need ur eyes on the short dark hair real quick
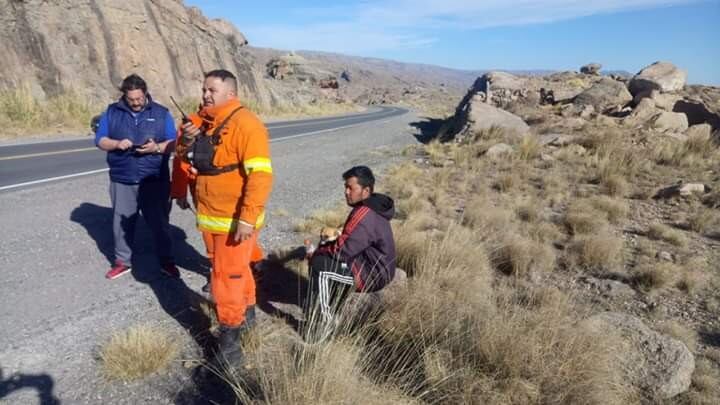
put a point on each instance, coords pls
(133, 82)
(224, 75)
(363, 174)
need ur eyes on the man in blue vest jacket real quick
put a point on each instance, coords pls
(136, 133)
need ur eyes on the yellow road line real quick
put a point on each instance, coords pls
(57, 152)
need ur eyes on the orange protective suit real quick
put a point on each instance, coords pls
(225, 199)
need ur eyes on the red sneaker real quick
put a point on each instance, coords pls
(170, 270)
(117, 270)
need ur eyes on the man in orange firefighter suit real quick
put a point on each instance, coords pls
(228, 149)
(183, 178)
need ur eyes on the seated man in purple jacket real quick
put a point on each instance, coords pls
(362, 257)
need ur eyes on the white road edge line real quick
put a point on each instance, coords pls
(69, 176)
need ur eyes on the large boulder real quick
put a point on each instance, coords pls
(482, 116)
(670, 122)
(501, 88)
(697, 113)
(361, 305)
(665, 101)
(604, 95)
(643, 112)
(659, 365)
(662, 76)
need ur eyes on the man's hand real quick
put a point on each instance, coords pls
(182, 202)
(125, 144)
(189, 132)
(149, 147)
(243, 232)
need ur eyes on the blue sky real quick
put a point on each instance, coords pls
(492, 34)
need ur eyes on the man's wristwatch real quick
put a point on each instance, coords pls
(157, 148)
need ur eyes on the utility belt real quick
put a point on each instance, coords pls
(202, 152)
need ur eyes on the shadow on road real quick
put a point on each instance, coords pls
(42, 383)
(174, 296)
(429, 129)
(278, 284)
(97, 221)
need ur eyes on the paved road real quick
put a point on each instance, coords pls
(29, 164)
(57, 309)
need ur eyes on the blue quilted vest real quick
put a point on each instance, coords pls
(126, 166)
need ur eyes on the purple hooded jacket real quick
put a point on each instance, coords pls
(366, 243)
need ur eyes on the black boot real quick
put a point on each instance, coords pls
(249, 317)
(228, 354)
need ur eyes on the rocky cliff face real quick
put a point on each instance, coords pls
(88, 46)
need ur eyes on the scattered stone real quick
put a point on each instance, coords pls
(667, 256)
(683, 190)
(658, 364)
(690, 188)
(669, 122)
(591, 69)
(662, 76)
(558, 140)
(499, 149)
(564, 140)
(609, 288)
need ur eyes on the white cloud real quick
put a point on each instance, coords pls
(378, 25)
(491, 13)
(350, 38)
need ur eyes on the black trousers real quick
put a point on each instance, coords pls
(330, 282)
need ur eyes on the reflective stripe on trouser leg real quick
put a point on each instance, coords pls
(232, 284)
(327, 291)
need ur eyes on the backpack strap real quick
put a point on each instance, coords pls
(216, 133)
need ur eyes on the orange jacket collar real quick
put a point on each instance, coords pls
(221, 111)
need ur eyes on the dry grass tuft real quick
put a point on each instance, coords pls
(655, 276)
(582, 217)
(616, 210)
(520, 256)
(667, 234)
(137, 352)
(20, 112)
(332, 218)
(528, 211)
(615, 185)
(682, 333)
(696, 151)
(529, 148)
(694, 275)
(481, 214)
(703, 220)
(599, 250)
(507, 182)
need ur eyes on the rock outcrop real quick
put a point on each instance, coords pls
(591, 69)
(604, 95)
(474, 114)
(662, 76)
(89, 47)
(658, 364)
